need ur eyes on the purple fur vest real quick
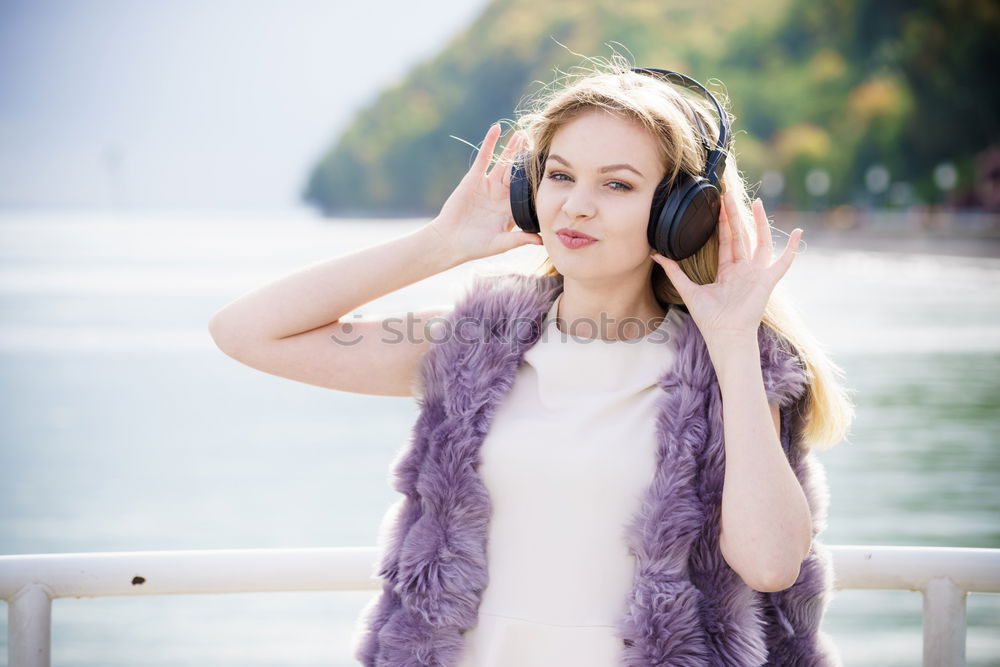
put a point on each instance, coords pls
(687, 607)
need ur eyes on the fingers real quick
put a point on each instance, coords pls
(725, 235)
(765, 244)
(678, 278)
(738, 238)
(788, 254)
(501, 169)
(525, 238)
(510, 240)
(485, 155)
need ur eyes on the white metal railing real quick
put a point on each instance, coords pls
(29, 583)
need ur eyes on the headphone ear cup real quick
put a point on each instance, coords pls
(683, 219)
(522, 199)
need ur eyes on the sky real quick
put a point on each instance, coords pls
(193, 104)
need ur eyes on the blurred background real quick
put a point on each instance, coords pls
(159, 159)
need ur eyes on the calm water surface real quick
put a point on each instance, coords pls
(123, 427)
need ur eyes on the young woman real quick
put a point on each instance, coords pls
(613, 460)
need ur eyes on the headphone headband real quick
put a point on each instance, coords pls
(716, 161)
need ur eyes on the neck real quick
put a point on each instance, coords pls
(618, 310)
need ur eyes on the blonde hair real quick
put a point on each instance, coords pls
(668, 114)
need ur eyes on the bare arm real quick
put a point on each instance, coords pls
(320, 293)
(766, 527)
(291, 327)
(766, 524)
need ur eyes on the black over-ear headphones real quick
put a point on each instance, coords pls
(682, 217)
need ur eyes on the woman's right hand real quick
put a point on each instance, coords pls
(476, 220)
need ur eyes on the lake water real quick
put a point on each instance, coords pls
(124, 428)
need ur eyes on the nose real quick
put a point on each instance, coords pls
(579, 203)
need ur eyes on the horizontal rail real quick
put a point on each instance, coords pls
(191, 572)
(29, 583)
(911, 568)
(352, 569)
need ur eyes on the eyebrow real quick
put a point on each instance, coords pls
(602, 170)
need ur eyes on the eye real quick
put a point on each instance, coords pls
(617, 186)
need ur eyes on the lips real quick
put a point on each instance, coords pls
(572, 233)
(573, 239)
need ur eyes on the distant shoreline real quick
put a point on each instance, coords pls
(917, 243)
(963, 234)
(935, 233)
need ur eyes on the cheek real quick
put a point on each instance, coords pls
(638, 246)
(546, 207)
(638, 224)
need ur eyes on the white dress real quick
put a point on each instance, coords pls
(568, 456)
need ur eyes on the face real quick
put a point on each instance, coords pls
(598, 180)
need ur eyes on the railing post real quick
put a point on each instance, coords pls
(944, 624)
(29, 627)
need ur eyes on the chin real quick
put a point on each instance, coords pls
(579, 269)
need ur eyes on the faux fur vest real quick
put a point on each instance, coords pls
(687, 607)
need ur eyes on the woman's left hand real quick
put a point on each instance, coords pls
(734, 304)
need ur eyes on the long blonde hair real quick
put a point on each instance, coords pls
(668, 114)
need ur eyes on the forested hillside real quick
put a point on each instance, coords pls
(835, 86)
